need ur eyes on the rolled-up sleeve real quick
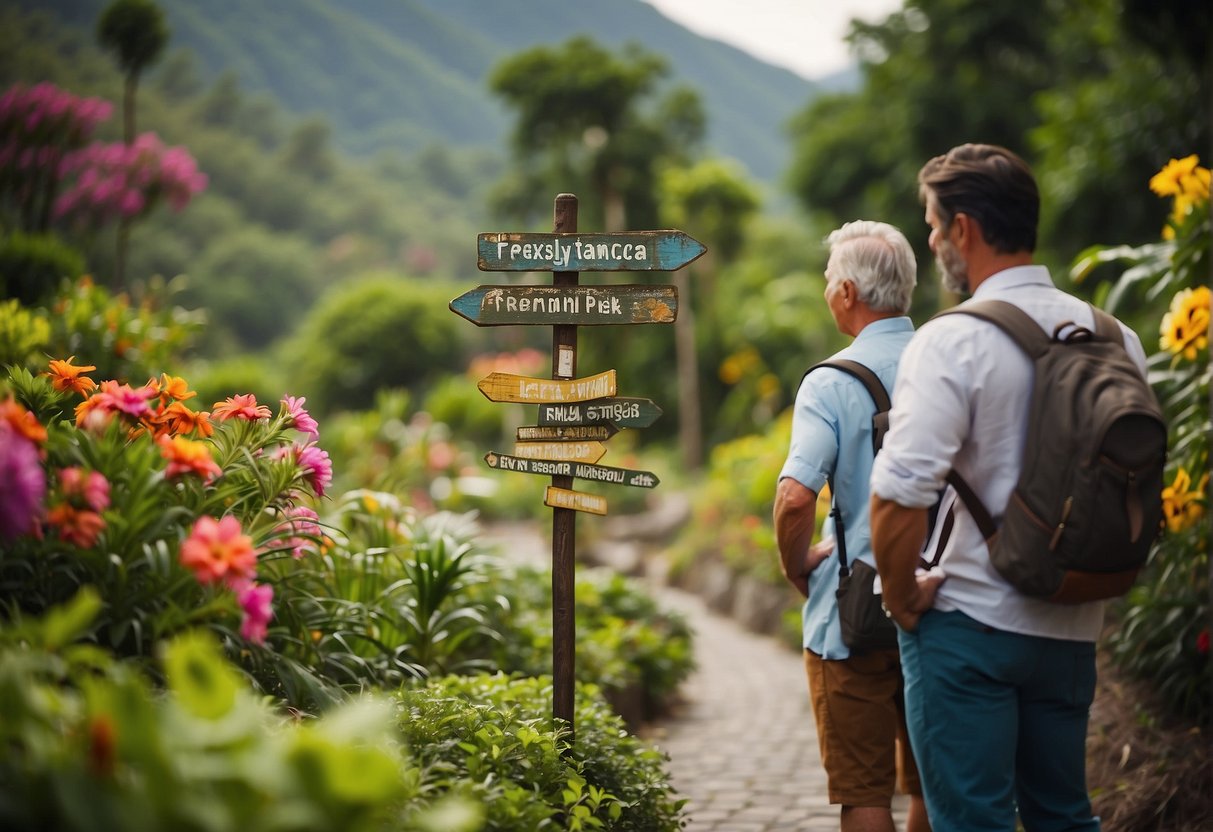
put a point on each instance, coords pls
(813, 450)
(929, 420)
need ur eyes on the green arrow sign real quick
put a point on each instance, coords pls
(581, 470)
(577, 305)
(622, 412)
(624, 251)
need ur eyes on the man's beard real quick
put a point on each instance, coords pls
(953, 270)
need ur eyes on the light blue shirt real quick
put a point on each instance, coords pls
(962, 402)
(832, 438)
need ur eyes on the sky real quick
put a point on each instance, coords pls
(805, 36)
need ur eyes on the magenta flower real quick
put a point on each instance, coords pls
(301, 420)
(255, 600)
(22, 483)
(316, 465)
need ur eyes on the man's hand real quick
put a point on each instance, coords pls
(898, 533)
(923, 598)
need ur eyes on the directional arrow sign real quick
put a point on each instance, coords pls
(571, 451)
(577, 305)
(581, 470)
(662, 251)
(576, 500)
(572, 433)
(507, 387)
(622, 412)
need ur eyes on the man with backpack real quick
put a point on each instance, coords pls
(856, 691)
(999, 658)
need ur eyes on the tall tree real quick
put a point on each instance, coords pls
(714, 200)
(136, 32)
(591, 122)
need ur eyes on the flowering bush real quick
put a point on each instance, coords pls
(1164, 632)
(121, 181)
(39, 127)
(175, 515)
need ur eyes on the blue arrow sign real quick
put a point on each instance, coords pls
(622, 251)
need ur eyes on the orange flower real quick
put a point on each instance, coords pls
(217, 550)
(243, 406)
(177, 419)
(174, 388)
(79, 527)
(186, 456)
(23, 422)
(66, 376)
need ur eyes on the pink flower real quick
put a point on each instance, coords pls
(300, 520)
(301, 420)
(243, 406)
(22, 483)
(93, 488)
(217, 550)
(255, 599)
(316, 465)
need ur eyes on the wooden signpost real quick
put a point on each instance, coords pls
(576, 415)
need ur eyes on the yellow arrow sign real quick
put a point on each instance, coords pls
(507, 387)
(570, 451)
(576, 500)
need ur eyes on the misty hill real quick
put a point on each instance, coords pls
(409, 73)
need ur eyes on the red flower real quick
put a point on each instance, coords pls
(1202, 642)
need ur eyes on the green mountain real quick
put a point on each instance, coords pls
(405, 74)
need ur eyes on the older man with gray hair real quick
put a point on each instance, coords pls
(856, 693)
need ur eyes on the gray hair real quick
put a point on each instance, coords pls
(877, 258)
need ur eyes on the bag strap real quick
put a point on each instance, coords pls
(872, 383)
(880, 426)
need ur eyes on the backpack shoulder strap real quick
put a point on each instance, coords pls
(880, 396)
(880, 426)
(1106, 327)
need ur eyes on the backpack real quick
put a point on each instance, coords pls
(1088, 502)
(865, 625)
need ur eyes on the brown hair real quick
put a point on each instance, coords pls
(990, 184)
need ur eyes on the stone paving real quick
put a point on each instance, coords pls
(742, 744)
(743, 747)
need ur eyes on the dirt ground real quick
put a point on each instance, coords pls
(1146, 774)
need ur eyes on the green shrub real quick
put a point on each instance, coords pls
(495, 735)
(91, 745)
(379, 332)
(32, 266)
(625, 642)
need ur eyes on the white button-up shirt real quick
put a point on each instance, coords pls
(961, 401)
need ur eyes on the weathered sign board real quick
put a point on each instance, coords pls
(576, 500)
(507, 387)
(578, 305)
(572, 451)
(572, 433)
(631, 251)
(618, 411)
(580, 470)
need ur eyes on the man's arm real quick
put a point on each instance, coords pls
(795, 523)
(898, 534)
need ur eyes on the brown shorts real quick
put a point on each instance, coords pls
(861, 727)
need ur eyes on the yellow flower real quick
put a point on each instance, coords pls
(1185, 327)
(1180, 505)
(1181, 177)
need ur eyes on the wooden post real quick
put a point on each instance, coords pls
(564, 520)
